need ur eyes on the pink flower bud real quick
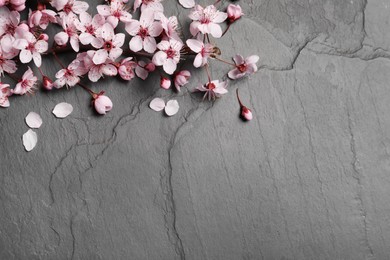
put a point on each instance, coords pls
(181, 79)
(246, 113)
(234, 12)
(102, 103)
(165, 83)
(2, 2)
(150, 67)
(44, 37)
(47, 83)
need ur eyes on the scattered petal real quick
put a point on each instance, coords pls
(33, 120)
(30, 139)
(157, 104)
(62, 110)
(187, 3)
(172, 107)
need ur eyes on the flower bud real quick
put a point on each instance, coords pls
(246, 113)
(47, 83)
(181, 78)
(44, 37)
(150, 67)
(165, 83)
(234, 12)
(102, 103)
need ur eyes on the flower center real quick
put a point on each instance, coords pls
(210, 86)
(30, 47)
(89, 29)
(68, 8)
(171, 53)
(70, 31)
(108, 45)
(10, 29)
(242, 67)
(143, 32)
(117, 14)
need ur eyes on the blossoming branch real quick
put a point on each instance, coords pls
(156, 45)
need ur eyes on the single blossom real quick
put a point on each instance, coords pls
(102, 103)
(26, 84)
(126, 68)
(154, 5)
(243, 67)
(110, 43)
(165, 83)
(170, 26)
(213, 89)
(5, 92)
(41, 18)
(69, 7)
(30, 48)
(97, 71)
(89, 26)
(181, 79)
(69, 76)
(114, 12)
(69, 33)
(144, 31)
(9, 21)
(142, 69)
(6, 63)
(168, 55)
(234, 12)
(207, 20)
(204, 51)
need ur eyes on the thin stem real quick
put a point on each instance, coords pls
(40, 70)
(227, 28)
(208, 72)
(93, 94)
(57, 59)
(217, 2)
(238, 98)
(225, 61)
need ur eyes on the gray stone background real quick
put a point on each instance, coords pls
(308, 178)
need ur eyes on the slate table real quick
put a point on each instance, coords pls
(307, 178)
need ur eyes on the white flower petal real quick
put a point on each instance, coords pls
(30, 139)
(187, 3)
(33, 120)
(172, 107)
(62, 110)
(157, 104)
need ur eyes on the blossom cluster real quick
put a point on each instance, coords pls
(152, 43)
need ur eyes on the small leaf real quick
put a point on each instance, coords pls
(172, 107)
(33, 120)
(157, 104)
(187, 3)
(30, 139)
(62, 110)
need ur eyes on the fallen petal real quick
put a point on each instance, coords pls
(62, 110)
(30, 139)
(187, 3)
(33, 120)
(157, 104)
(172, 107)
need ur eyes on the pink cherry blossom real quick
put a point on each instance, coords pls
(17, 5)
(26, 84)
(95, 72)
(126, 68)
(234, 12)
(170, 26)
(89, 26)
(47, 83)
(149, 4)
(181, 79)
(6, 63)
(203, 51)
(165, 83)
(168, 56)
(245, 112)
(206, 20)
(102, 103)
(142, 69)
(30, 48)
(110, 43)
(69, 7)
(114, 12)
(69, 76)
(144, 32)
(69, 33)
(243, 66)
(5, 92)
(213, 89)
(9, 21)
(42, 18)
